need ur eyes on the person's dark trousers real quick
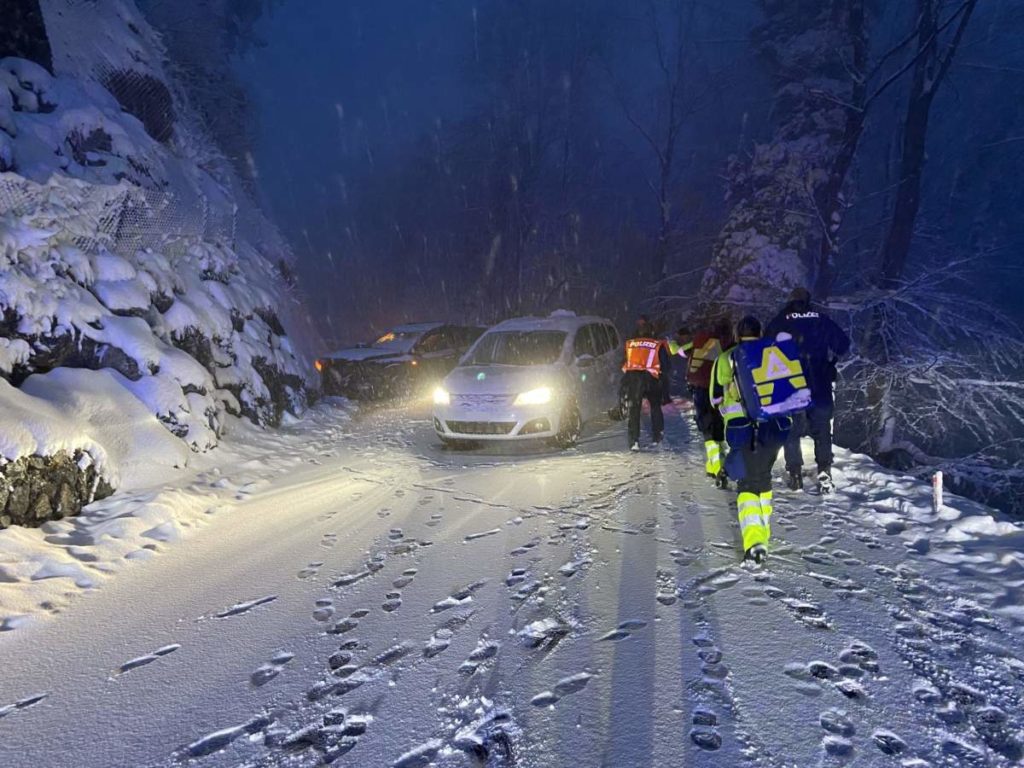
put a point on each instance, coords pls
(639, 386)
(816, 423)
(708, 419)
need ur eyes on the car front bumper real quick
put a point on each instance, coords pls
(528, 422)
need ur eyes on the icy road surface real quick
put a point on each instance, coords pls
(363, 598)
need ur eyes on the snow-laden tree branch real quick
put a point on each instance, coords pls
(935, 381)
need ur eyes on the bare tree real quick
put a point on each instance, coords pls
(661, 132)
(937, 41)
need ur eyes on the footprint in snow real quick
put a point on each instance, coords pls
(28, 701)
(336, 733)
(624, 630)
(544, 634)
(267, 672)
(837, 723)
(806, 612)
(405, 579)
(310, 570)
(525, 548)
(219, 740)
(392, 602)
(527, 589)
(482, 534)
(571, 568)
(240, 608)
(458, 598)
(324, 609)
(564, 687)
(435, 520)
(339, 659)
(666, 594)
(705, 730)
(348, 677)
(438, 642)
(442, 636)
(149, 658)
(837, 746)
(347, 625)
(485, 651)
(889, 743)
(395, 534)
(329, 540)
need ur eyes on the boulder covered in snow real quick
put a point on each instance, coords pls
(69, 436)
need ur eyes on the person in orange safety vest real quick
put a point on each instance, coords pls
(647, 360)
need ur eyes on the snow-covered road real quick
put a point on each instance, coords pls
(363, 597)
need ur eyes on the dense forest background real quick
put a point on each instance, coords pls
(445, 159)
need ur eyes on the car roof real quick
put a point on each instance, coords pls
(555, 322)
(415, 327)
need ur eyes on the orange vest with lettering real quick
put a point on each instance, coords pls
(642, 355)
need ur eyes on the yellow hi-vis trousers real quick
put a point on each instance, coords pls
(755, 514)
(713, 456)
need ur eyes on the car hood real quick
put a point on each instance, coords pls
(359, 354)
(502, 379)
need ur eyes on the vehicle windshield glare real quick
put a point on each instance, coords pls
(397, 339)
(517, 348)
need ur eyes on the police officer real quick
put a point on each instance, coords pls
(822, 342)
(753, 448)
(647, 358)
(706, 345)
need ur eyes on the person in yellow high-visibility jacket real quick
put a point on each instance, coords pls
(753, 449)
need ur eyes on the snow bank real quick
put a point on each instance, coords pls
(155, 507)
(90, 411)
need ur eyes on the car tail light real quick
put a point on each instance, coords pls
(319, 365)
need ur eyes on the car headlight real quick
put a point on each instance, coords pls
(441, 396)
(538, 396)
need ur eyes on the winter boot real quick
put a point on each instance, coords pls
(795, 481)
(722, 480)
(756, 554)
(825, 484)
(635, 448)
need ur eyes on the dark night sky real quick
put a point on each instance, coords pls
(346, 91)
(341, 90)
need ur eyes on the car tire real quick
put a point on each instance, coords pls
(569, 429)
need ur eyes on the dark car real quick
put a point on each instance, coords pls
(406, 361)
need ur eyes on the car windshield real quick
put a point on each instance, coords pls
(517, 348)
(399, 340)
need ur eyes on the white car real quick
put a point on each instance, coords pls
(531, 378)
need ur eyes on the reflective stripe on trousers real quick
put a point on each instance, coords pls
(713, 460)
(755, 516)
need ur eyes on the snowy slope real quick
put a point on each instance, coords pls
(362, 597)
(128, 243)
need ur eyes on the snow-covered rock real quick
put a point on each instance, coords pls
(123, 247)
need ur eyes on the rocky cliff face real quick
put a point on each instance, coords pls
(126, 243)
